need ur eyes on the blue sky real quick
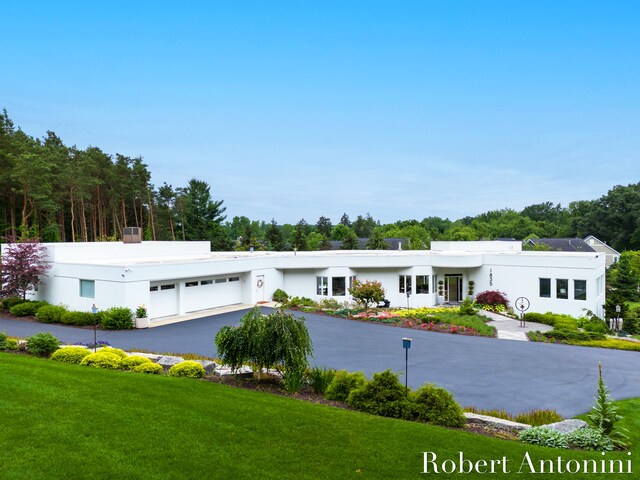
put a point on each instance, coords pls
(301, 109)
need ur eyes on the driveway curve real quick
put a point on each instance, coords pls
(483, 372)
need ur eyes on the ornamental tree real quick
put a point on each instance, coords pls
(23, 266)
(367, 293)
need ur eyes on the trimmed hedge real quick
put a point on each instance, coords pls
(78, 318)
(70, 355)
(151, 368)
(343, 383)
(117, 318)
(3, 341)
(115, 351)
(27, 308)
(109, 361)
(7, 303)
(383, 396)
(129, 363)
(42, 344)
(436, 405)
(188, 368)
(50, 313)
(573, 336)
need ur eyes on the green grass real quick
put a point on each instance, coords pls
(73, 422)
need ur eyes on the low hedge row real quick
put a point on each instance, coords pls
(555, 320)
(116, 318)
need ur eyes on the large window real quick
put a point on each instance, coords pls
(88, 288)
(545, 287)
(322, 284)
(562, 288)
(580, 289)
(338, 286)
(405, 284)
(422, 283)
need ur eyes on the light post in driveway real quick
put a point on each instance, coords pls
(94, 310)
(406, 344)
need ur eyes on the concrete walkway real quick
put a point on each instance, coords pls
(510, 329)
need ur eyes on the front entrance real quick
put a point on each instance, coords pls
(453, 288)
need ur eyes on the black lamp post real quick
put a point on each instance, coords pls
(406, 344)
(94, 310)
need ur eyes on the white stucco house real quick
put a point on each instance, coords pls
(176, 278)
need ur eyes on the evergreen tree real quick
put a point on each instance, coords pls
(344, 220)
(273, 237)
(323, 226)
(376, 241)
(300, 235)
(350, 241)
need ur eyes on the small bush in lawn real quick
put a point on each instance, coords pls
(117, 318)
(590, 439)
(294, 379)
(384, 396)
(467, 307)
(10, 344)
(115, 351)
(436, 405)
(70, 355)
(129, 363)
(51, 314)
(3, 341)
(535, 418)
(320, 379)
(42, 344)
(188, 369)
(151, 368)
(492, 297)
(280, 296)
(7, 303)
(343, 383)
(298, 302)
(545, 437)
(26, 308)
(109, 361)
(78, 318)
(329, 304)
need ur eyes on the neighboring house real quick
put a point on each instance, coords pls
(613, 256)
(394, 243)
(561, 244)
(175, 278)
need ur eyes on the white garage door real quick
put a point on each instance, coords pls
(164, 300)
(212, 293)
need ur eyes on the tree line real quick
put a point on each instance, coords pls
(63, 193)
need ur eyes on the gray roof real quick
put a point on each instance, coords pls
(563, 244)
(394, 243)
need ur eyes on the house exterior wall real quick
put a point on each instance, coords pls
(123, 274)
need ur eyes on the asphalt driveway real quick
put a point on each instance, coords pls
(483, 372)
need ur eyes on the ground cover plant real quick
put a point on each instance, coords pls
(534, 418)
(256, 435)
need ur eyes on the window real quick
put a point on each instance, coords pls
(221, 280)
(338, 287)
(545, 287)
(234, 279)
(405, 284)
(562, 288)
(191, 284)
(580, 289)
(599, 285)
(88, 288)
(322, 286)
(168, 287)
(422, 283)
(351, 280)
(153, 289)
(206, 282)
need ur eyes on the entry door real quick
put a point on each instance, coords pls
(260, 288)
(453, 288)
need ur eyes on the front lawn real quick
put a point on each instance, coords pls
(67, 421)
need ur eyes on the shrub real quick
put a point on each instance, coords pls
(129, 363)
(50, 314)
(467, 307)
(436, 405)
(151, 368)
(294, 379)
(604, 414)
(7, 303)
(70, 355)
(343, 383)
(79, 318)
(611, 343)
(10, 344)
(544, 437)
(26, 308)
(43, 344)
(492, 297)
(188, 368)
(367, 293)
(296, 302)
(320, 379)
(384, 396)
(3, 341)
(590, 439)
(101, 359)
(329, 304)
(280, 296)
(115, 351)
(537, 418)
(117, 318)
(573, 336)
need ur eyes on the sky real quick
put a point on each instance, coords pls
(295, 110)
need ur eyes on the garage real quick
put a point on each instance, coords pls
(163, 299)
(212, 292)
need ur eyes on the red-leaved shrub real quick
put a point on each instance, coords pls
(492, 297)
